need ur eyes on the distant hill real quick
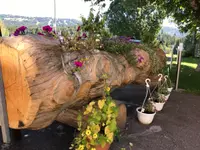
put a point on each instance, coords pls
(173, 31)
(13, 20)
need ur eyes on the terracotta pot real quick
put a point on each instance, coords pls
(106, 147)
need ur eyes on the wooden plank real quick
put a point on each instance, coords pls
(3, 111)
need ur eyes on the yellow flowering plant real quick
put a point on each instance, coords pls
(97, 125)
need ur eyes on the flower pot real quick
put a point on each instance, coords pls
(106, 147)
(165, 96)
(144, 118)
(158, 106)
(170, 89)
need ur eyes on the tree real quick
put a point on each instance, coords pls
(141, 19)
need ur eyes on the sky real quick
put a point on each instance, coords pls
(71, 9)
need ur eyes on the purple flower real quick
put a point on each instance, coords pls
(140, 59)
(47, 28)
(79, 28)
(84, 35)
(17, 32)
(39, 33)
(22, 28)
(78, 64)
(78, 38)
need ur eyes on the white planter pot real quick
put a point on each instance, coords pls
(158, 106)
(165, 96)
(170, 89)
(144, 118)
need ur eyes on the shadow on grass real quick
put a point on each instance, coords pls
(189, 79)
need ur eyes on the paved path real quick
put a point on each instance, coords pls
(177, 127)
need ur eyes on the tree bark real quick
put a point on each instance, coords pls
(39, 84)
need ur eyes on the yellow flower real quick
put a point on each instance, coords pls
(101, 103)
(95, 136)
(88, 110)
(95, 128)
(91, 103)
(107, 130)
(108, 89)
(93, 148)
(87, 132)
(112, 104)
(103, 124)
(110, 137)
(83, 134)
(81, 147)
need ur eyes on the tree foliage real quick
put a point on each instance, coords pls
(186, 13)
(141, 19)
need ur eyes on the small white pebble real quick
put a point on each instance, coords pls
(26, 135)
(131, 144)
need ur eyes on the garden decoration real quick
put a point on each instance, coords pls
(98, 130)
(45, 79)
(146, 112)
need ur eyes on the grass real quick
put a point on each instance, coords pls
(189, 79)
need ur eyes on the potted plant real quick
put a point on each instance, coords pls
(169, 84)
(163, 91)
(158, 101)
(97, 126)
(146, 114)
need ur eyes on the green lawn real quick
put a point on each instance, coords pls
(189, 78)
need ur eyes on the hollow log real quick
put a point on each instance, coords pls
(39, 84)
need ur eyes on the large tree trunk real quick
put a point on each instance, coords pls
(39, 84)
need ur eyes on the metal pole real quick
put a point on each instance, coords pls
(3, 111)
(55, 15)
(172, 57)
(178, 64)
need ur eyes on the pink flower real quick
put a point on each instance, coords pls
(140, 59)
(78, 64)
(84, 35)
(22, 28)
(39, 33)
(79, 28)
(47, 28)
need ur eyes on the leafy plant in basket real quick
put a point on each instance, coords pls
(163, 91)
(157, 98)
(147, 111)
(149, 108)
(97, 126)
(163, 88)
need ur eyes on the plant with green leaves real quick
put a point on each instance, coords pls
(158, 97)
(98, 124)
(149, 108)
